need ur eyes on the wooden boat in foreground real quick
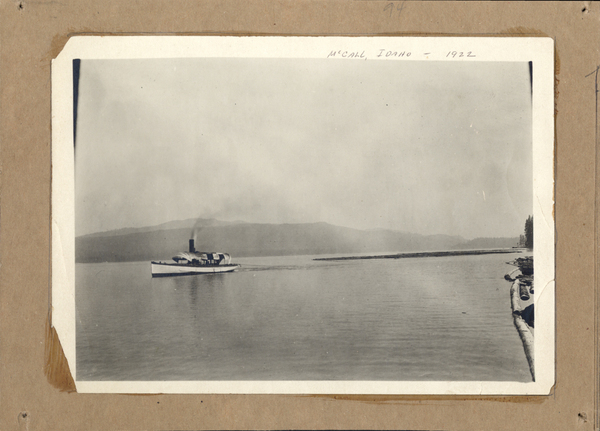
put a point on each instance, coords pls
(193, 262)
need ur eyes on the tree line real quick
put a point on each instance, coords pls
(527, 238)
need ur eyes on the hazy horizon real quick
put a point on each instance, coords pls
(419, 147)
(235, 222)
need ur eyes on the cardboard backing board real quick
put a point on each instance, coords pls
(39, 397)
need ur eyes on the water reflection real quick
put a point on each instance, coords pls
(197, 287)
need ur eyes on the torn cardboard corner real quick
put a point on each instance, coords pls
(56, 366)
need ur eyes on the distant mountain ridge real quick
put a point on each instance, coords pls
(175, 224)
(242, 239)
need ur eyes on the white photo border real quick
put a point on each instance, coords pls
(538, 50)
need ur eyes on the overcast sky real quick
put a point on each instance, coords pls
(423, 147)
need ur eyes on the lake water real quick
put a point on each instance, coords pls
(292, 318)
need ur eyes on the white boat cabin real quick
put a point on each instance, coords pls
(201, 258)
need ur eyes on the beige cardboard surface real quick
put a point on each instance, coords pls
(32, 33)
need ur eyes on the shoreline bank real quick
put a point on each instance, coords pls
(424, 254)
(521, 302)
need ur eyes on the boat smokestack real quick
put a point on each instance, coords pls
(192, 248)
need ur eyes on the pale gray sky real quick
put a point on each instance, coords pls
(423, 147)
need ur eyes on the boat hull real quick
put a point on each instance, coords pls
(160, 269)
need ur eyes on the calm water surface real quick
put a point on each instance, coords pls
(292, 318)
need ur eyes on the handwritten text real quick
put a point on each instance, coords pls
(347, 54)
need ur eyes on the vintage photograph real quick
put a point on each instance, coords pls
(367, 217)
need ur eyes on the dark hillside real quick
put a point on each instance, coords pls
(249, 239)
